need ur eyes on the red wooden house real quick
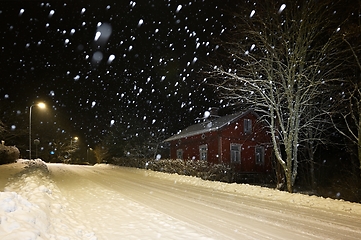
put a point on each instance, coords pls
(238, 140)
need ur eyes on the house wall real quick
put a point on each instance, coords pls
(219, 142)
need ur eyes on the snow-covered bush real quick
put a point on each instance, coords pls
(8, 154)
(36, 164)
(196, 168)
(129, 162)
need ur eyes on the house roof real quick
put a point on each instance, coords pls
(208, 126)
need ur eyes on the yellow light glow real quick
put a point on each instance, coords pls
(41, 105)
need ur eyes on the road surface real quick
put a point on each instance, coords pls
(125, 203)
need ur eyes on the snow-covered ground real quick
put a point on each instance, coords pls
(32, 207)
(56, 201)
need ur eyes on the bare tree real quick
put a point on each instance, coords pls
(101, 153)
(281, 60)
(132, 139)
(346, 112)
(315, 132)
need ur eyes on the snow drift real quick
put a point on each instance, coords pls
(39, 212)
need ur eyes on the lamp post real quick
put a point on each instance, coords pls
(40, 105)
(36, 142)
(71, 141)
(72, 149)
(87, 157)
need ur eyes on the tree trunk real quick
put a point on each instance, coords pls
(359, 139)
(289, 181)
(289, 169)
(312, 166)
(280, 174)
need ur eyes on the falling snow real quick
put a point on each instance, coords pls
(283, 6)
(84, 60)
(140, 23)
(252, 13)
(51, 13)
(179, 8)
(111, 58)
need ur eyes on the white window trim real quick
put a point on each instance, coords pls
(179, 152)
(239, 146)
(247, 125)
(203, 151)
(261, 162)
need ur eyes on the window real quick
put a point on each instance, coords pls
(247, 124)
(259, 155)
(179, 153)
(235, 152)
(203, 152)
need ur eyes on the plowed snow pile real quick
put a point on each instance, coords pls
(39, 212)
(267, 193)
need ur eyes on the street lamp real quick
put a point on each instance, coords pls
(71, 141)
(36, 142)
(40, 105)
(72, 148)
(87, 158)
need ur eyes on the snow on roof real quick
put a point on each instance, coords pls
(208, 126)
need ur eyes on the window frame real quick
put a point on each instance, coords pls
(179, 153)
(235, 155)
(259, 152)
(203, 152)
(247, 125)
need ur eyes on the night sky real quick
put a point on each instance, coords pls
(97, 64)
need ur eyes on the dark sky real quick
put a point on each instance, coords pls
(144, 66)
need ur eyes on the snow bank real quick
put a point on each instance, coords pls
(259, 192)
(31, 208)
(18, 216)
(265, 193)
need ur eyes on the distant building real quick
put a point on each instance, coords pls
(239, 140)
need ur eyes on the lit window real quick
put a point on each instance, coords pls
(259, 155)
(235, 152)
(203, 152)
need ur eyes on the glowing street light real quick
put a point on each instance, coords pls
(40, 105)
(74, 139)
(73, 148)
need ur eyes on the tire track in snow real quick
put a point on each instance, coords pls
(285, 218)
(111, 213)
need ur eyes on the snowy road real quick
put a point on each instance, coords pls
(123, 203)
(189, 211)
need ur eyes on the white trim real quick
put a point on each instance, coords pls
(179, 153)
(259, 152)
(235, 150)
(203, 152)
